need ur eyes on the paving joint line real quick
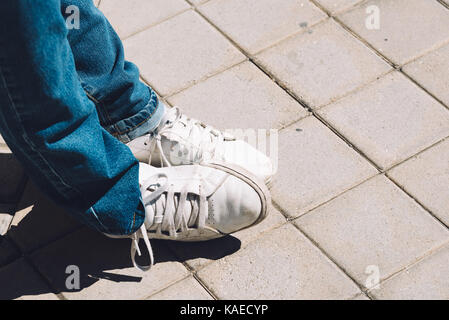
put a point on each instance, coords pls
(425, 53)
(50, 242)
(430, 212)
(168, 286)
(396, 66)
(293, 95)
(424, 89)
(309, 211)
(197, 5)
(312, 111)
(206, 264)
(204, 79)
(194, 274)
(205, 286)
(155, 24)
(308, 108)
(399, 68)
(281, 210)
(420, 259)
(364, 289)
(285, 38)
(446, 5)
(329, 13)
(323, 252)
(416, 155)
(29, 261)
(210, 291)
(356, 90)
(359, 294)
(316, 115)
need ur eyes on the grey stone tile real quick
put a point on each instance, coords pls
(432, 72)
(199, 254)
(314, 166)
(361, 296)
(390, 120)
(131, 16)
(106, 271)
(426, 280)
(426, 178)
(242, 97)
(373, 227)
(39, 221)
(407, 29)
(8, 253)
(20, 281)
(323, 64)
(11, 177)
(257, 24)
(281, 265)
(197, 2)
(335, 6)
(188, 289)
(175, 54)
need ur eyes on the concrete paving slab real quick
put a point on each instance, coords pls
(432, 73)
(257, 24)
(335, 6)
(188, 289)
(188, 50)
(197, 255)
(281, 265)
(131, 16)
(314, 166)
(425, 280)
(406, 28)
(242, 97)
(426, 178)
(390, 120)
(374, 230)
(20, 281)
(323, 64)
(39, 221)
(105, 267)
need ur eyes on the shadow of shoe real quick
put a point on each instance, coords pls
(44, 240)
(12, 177)
(196, 253)
(54, 241)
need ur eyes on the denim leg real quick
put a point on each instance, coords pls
(127, 107)
(53, 128)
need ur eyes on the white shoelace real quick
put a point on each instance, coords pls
(202, 136)
(168, 214)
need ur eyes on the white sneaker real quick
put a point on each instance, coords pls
(197, 203)
(181, 141)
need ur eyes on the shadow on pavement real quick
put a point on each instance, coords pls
(52, 241)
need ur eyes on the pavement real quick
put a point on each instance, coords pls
(356, 97)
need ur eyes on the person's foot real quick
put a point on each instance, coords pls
(180, 140)
(198, 203)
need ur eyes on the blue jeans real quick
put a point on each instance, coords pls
(68, 101)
